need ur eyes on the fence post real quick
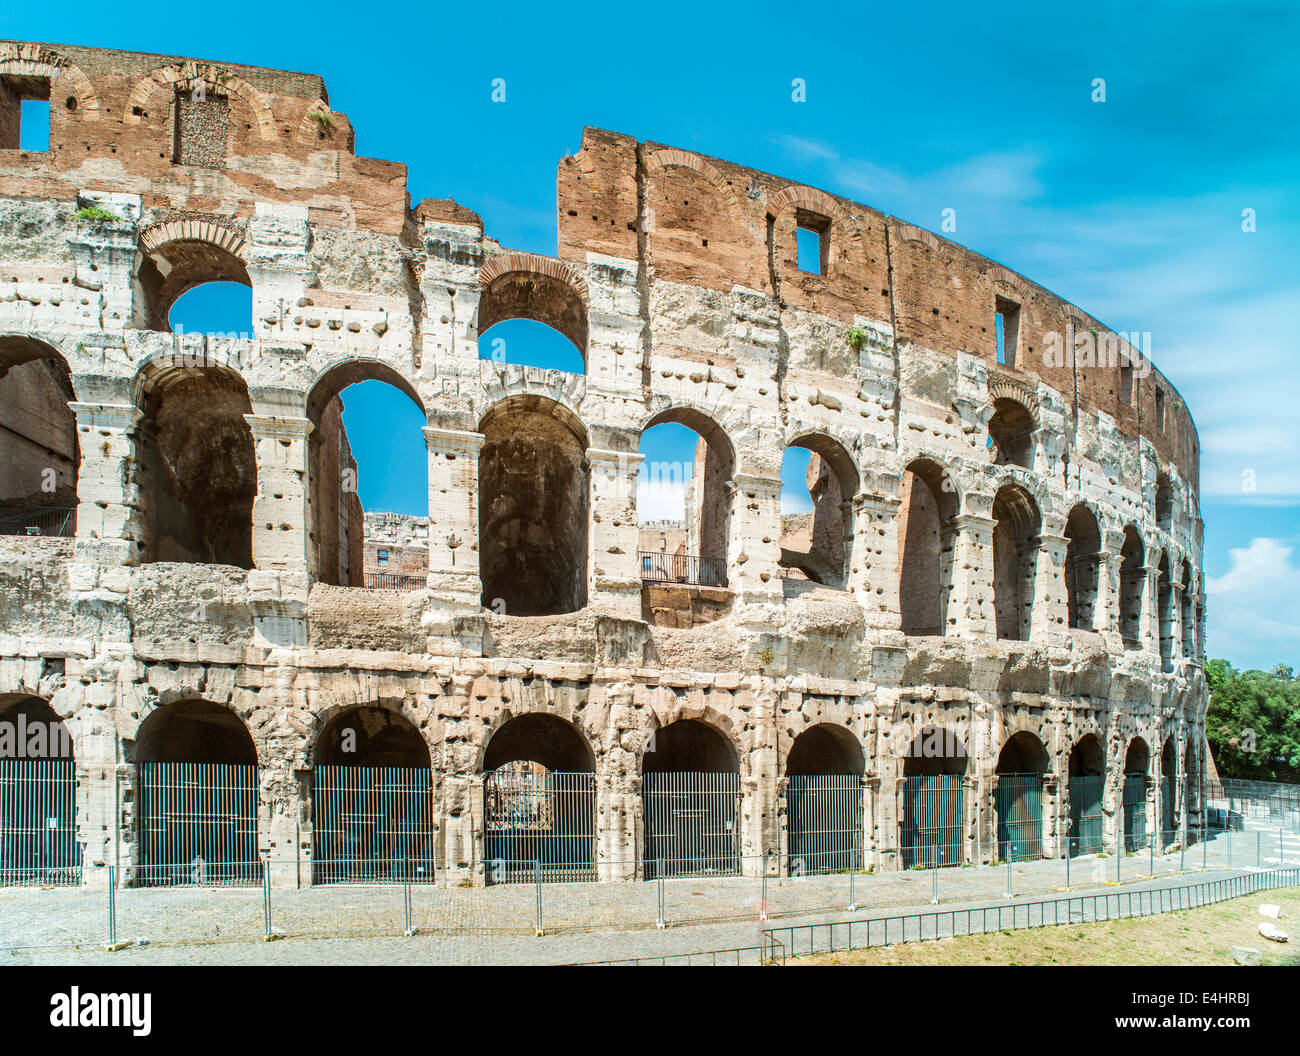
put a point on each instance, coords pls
(1119, 855)
(659, 884)
(537, 880)
(1229, 843)
(1010, 854)
(1259, 849)
(762, 898)
(934, 866)
(1151, 846)
(1067, 863)
(1281, 849)
(1182, 852)
(853, 861)
(266, 900)
(112, 906)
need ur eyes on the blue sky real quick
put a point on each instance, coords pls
(1130, 207)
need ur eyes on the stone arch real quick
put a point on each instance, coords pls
(935, 749)
(1023, 752)
(1132, 586)
(38, 794)
(533, 508)
(1164, 507)
(540, 737)
(695, 222)
(370, 734)
(193, 730)
(1022, 765)
(310, 129)
(36, 60)
(339, 704)
(833, 481)
(1137, 757)
(1082, 566)
(1188, 612)
(1165, 610)
(38, 475)
(928, 502)
(515, 285)
(661, 716)
(1011, 433)
(825, 748)
(33, 729)
(185, 76)
(668, 157)
(1017, 527)
(180, 253)
(817, 210)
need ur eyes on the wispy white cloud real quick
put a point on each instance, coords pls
(1252, 613)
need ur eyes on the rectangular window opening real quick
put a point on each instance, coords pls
(1007, 325)
(1126, 383)
(1160, 408)
(25, 113)
(383, 557)
(812, 236)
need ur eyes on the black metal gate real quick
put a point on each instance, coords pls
(372, 824)
(38, 822)
(1019, 802)
(1135, 811)
(198, 824)
(934, 820)
(824, 816)
(1168, 810)
(1085, 815)
(692, 824)
(537, 817)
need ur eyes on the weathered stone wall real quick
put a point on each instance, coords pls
(677, 276)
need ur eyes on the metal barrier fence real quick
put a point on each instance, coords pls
(1167, 803)
(39, 520)
(198, 824)
(934, 821)
(539, 820)
(1019, 803)
(692, 824)
(1085, 814)
(1135, 811)
(38, 822)
(1269, 801)
(660, 567)
(393, 581)
(372, 823)
(824, 816)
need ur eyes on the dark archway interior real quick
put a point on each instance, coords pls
(1022, 754)
(1164, 503)
(934, 750)
(1132, 579)
(38, 433)
(1014, 542)
(1168, 759)
(925, 506)
(198, 468)
(1082, 566)
(533, 498)
(371, 736)
(1087, 758)
(36, 730)
(543, 739)
(689, 745)
(1011, 430)
(825, 749)
(1138, 757)
(194, 731)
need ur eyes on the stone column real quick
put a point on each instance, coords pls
(1150, 618)
(110, 514)
(1054, 844)
(95, 745)
(966, 566)
(280, 507)
(873, 564)
(1103, 607)
(1049, 619)
(1176, 654)
(754, 538)
(614, 575)
(453, 518)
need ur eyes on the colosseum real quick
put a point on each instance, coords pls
(986, 643)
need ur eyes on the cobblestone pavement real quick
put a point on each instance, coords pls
(581, 922)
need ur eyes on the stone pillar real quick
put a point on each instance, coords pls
(95, 748)
(618, 789)
(110, 514)
(1049, 619)
(1104, 609)
(1054, 843)
(754, 538)
(1176, 653)
(453, 518)
(1150, 617)
(873, 563)
(966, 566)
(280, 507)
(614, 575)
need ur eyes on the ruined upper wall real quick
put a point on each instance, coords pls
(715, 224)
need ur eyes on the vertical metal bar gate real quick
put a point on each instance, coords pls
(1135, 811)
(372, 824)
(692, 823)
(1167, 810)
(535, 816)
(38, 822)
(198, 824)
(1085, 814)
(1019, 803)
(824, 818)
(934, 820)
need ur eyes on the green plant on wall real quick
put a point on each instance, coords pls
(765, 657)
(324, 119)
(96, 214)
(857, 338)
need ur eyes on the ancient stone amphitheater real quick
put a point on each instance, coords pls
(988, 646)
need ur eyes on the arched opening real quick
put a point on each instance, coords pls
(1168, 792)
(41, 455)
(168, 272)
(690, 788)
(197, 783)
(1015, 561)
(539, 802)
(38, 796)
(1019, 800)
(368, 466)
(1132, 585)
(533, 316)
(1165, 606)
(819, 481)
(1011, 434)
(533, 500)
(1164, 504)
(1082, 567)
(683, 505)
(824, 800)
(934, 802)
(1136, 762)
(1188, 614)
(197, 466)
(927, 505)
(371, 800)
(1087, 776)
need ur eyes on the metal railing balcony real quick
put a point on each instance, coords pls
(39, 520)
(393, 581)
(658, 566)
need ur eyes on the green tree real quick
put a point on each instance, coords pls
(1253, 722)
